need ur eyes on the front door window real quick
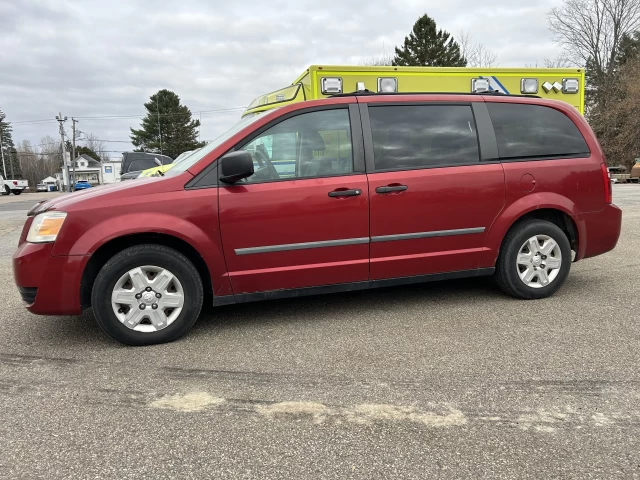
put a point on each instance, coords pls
(315, 144)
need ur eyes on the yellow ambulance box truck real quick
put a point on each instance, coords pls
(319, 81)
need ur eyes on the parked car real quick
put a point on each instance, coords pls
(130, 175)
(82, 185)
(133, 163)
(158, 170)
(385, 189)
(41, 187)
(634, 175)
(13, 186)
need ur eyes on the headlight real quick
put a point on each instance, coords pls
(45, 227)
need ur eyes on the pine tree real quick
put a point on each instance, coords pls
(83, 150)
(428, 47)
(11, 160)
(167, 128)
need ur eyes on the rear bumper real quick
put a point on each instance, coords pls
(48, 285)
(601, 231)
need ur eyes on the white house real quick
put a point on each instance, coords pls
(110, 172)
(49, 181)
(90, 170)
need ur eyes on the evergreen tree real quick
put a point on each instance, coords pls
(82, 150)
(167, 128)
(427, 46)
(11, 160)
(629, 49)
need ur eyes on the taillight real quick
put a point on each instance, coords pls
(608, 192)
(15, 183)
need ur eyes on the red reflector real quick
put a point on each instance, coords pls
(608, 192)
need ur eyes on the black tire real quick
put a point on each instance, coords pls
(506, 274)
(16, 192)
(6, 191)
(137, 256)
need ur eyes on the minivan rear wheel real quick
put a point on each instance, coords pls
(147, 294)
(534, 260)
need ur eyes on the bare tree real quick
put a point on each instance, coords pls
(467, 47)
(560, 61)
(591, 30)
(619, 124)
(477, 54)
(51, 150)
(484, 57)
(35, 165)
(384, 60)
(91, 141)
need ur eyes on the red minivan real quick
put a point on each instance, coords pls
(349, 192)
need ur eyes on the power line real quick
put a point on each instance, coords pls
(82, 140)
(115, 117)
(105, 141)
(107, 117)
(32, 121)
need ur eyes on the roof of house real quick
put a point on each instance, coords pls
(91, 162)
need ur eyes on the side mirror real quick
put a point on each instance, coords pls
(235, 166)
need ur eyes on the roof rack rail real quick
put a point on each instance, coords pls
(364, 93)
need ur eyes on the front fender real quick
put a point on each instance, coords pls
(206, 244)
(517, 210)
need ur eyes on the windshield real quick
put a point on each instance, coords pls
(192, 159)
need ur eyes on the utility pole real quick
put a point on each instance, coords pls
(4, 167)
(61, 121)
(159, 129)
(73, 152)
(13, 177)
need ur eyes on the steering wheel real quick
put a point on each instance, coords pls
(262, 158)
(259, 156)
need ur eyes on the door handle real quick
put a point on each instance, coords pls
(345, 193)
(391, 188)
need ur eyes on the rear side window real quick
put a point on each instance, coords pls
(527, 131)
(421, 136)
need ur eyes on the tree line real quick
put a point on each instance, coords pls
(603, 36)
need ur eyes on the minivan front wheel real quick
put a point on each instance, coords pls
(534, 261)
(147, 294)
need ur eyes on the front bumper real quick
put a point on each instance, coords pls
(54, 280)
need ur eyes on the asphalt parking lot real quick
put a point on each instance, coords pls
(442, 380)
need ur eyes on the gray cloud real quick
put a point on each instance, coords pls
(90, 58)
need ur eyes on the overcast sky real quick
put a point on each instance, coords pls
(105, 58)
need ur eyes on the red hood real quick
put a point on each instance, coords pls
(129, 188)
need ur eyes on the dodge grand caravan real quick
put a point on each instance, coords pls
(349, 192)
